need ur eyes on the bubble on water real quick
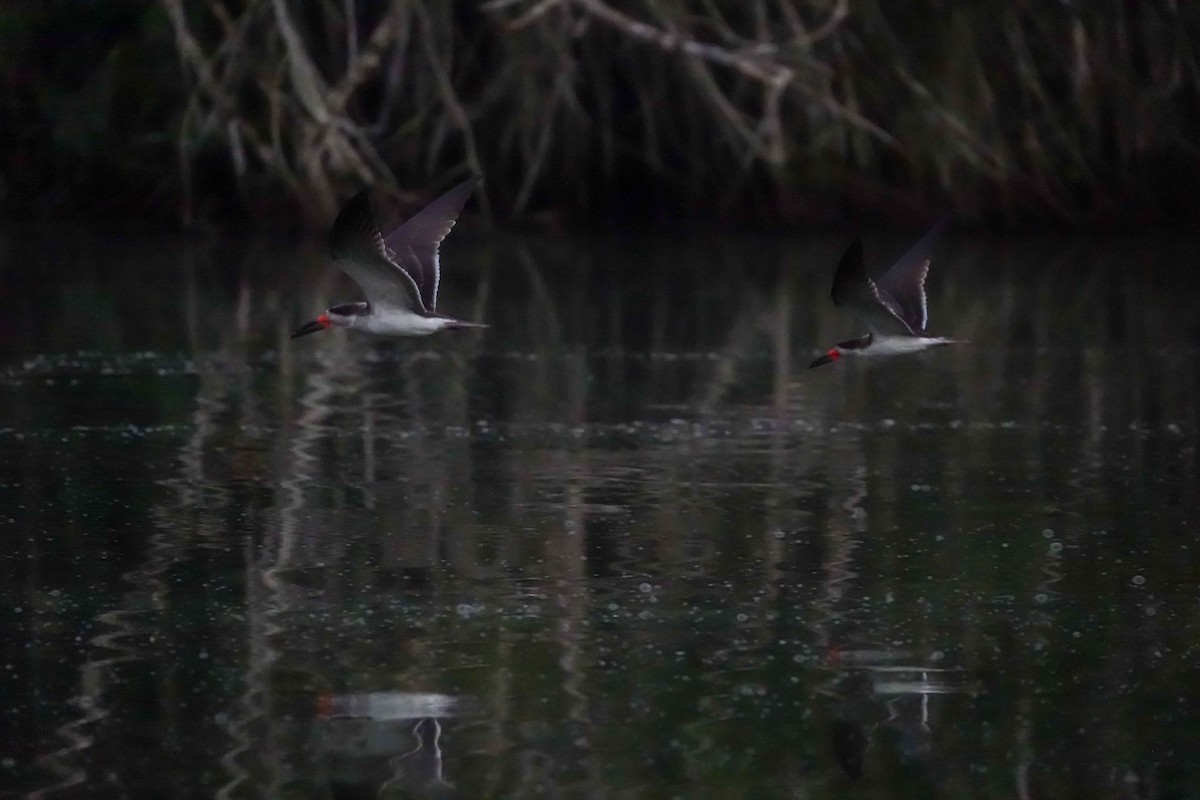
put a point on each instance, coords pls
(1139, 580)
(645, 588)
(1047, 533)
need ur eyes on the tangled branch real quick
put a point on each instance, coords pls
(548, 97)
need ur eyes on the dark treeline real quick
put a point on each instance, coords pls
(620, 112)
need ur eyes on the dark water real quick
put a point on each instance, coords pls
(623, 544)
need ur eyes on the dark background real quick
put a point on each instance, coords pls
(621, 113)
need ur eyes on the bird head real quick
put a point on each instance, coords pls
(345, 315)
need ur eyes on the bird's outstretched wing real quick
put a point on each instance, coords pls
(414, 245)
(358, 248)
(902, 288)
(857, 293)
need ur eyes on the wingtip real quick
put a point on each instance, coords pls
(934, 231)
(850, 272)
(466, 186)
(454, 198)
(852, 254)
(354, 221)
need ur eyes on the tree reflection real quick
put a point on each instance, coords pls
(652, 548)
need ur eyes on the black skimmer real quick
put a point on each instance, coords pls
(892, 307)
(399, 273)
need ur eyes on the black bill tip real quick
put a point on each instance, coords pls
(311, 327)
(825, 359)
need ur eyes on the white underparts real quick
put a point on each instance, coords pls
(399, 322)
(897, 345)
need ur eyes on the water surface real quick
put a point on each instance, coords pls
(622, 544)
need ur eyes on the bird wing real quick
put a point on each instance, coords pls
(903, 286)
(414, 245)
(853, 290)
(358, 248)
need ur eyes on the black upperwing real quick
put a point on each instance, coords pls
(902, 287)
(853, 290)
(358, 248)
(414, 245)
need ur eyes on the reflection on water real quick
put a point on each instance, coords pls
(395, 733)
(623, 544)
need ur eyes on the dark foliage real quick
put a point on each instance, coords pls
(585, 112)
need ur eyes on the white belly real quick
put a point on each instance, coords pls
(399, 322)
(899, 345)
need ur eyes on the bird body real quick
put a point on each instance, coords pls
(402, 322)
(399, 273)
(897, 345)
(387, 320)
(893, 308)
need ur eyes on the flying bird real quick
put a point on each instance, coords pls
(892, 307)
(398, 273)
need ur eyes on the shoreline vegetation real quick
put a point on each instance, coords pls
(627, 113)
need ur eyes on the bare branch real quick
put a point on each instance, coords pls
(763, 71)
(310, 88)
(365, 64)
(455, 108)
(534, 14)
